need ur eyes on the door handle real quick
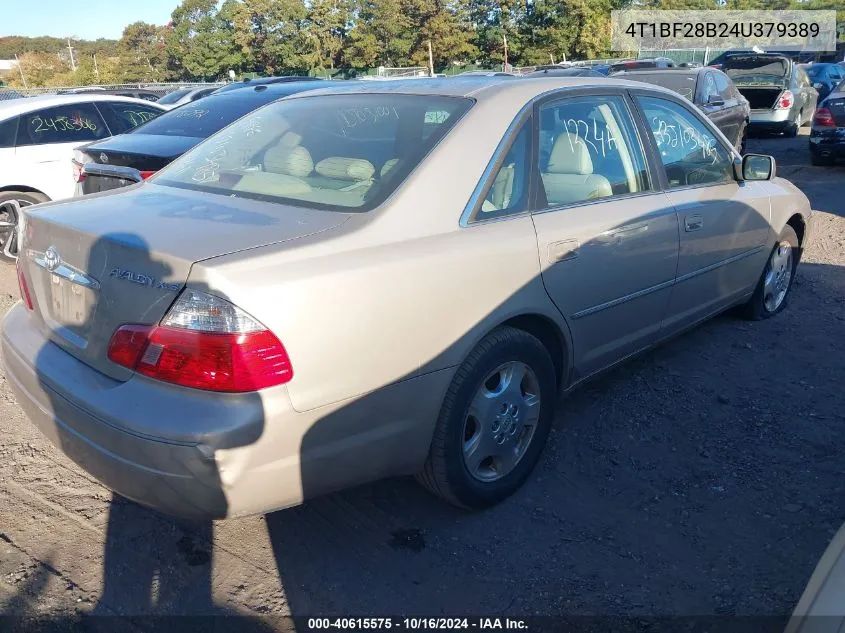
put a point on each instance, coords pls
(693, 223)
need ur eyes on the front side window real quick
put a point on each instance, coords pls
(588, 149)
(334, 152)
(709, 90)
(690, 152)
(124, 116)
(72, 123)
(723, 86)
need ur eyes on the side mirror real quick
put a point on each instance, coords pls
(755, 167)
(715, 100)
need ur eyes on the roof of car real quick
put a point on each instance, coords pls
(478, 87)
(14, 107)
(670, 72)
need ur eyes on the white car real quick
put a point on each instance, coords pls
(37, 139)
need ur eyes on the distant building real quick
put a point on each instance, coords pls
(7, 66)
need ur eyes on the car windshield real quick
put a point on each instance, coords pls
(203, 118)
(683, 83)
(174, 96)
(338, 152)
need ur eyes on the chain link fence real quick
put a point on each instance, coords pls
(158, 89)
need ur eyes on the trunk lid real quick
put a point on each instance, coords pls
(144, 152)
(760, 78)
(99, 262)
(118, 161)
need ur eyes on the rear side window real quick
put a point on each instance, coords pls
(588, 149)
(337, 152)
(122, 117)
(507, 192)
(8, 132)
(72, 123)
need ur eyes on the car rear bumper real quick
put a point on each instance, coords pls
(828, 142)
(775, 120)
(204, 455)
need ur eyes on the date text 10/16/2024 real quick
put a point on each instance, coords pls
(417, 624)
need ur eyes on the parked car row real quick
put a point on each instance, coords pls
(37, 139)
(368, 279)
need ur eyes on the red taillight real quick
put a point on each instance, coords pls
(715, 65)
(24, 288)
(203, 360)
(146, 174)
(823, 118)
(78, 171)
(786, 100)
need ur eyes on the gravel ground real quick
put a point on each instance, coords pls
(703, 478)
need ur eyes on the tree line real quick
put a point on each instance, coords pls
(205, 39)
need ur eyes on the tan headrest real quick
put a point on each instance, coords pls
(293, 161)
(388, 165)
(290, 139)
(570, 156)
(345, 168)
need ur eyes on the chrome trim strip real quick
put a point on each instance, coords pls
(729, 260)
(666, 284)
(619, 301)
(64, 271)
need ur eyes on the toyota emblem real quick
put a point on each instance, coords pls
(103, 157)
(52, 259)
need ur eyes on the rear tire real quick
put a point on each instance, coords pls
(772, 292)
(820, 161)
(459, 468)
(792, 128)
(9, 220)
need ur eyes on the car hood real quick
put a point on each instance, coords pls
(168, 147)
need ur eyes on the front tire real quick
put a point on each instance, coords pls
(772, 292)
(494, 421)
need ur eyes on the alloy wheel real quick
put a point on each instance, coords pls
(778, 277)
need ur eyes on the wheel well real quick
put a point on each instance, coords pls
(22, 188)
(797, 223)
(549, 335)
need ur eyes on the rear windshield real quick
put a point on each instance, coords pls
(173, 97)
(683, 84)
(342, 152)
(747, 71)
(203, 118)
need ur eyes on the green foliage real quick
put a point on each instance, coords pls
(207, 38)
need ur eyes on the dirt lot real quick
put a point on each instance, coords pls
(704, 478)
